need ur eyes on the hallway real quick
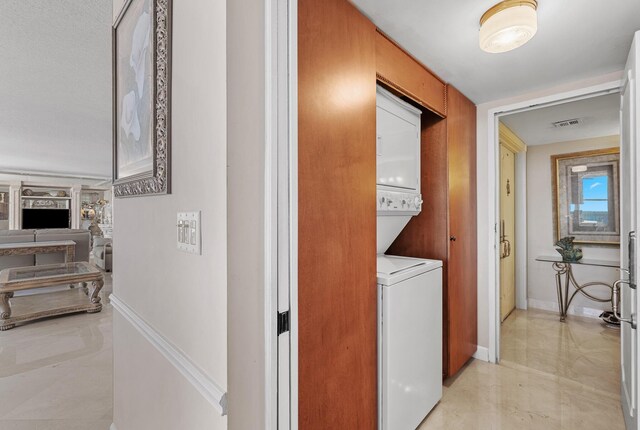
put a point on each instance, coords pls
(553, 376)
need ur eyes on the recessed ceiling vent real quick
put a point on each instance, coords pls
(567, 123)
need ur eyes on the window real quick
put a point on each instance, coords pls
(594, 206)
(586, 196)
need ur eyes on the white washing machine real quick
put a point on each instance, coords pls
(409, 289)
(409, 340)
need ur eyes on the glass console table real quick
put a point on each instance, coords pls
(566, 268)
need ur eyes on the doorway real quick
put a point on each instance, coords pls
(531, 335)
(494, 116)
(512, 253)
(507, 232)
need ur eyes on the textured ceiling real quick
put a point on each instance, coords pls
(55, 86)
(576, 39)
(599, 116)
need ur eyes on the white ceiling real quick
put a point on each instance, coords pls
(55, 86)
(600, 116)
(576, 39)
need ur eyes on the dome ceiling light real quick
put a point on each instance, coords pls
(508, 25)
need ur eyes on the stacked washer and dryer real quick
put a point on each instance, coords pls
(409, 289)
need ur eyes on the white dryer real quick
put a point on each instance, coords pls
(409, 340)
(397, 166)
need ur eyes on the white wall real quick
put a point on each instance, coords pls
(485, 225)
(541, 290)
(55, 91)
(246, 213)
(183, 297)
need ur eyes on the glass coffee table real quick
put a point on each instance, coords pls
(33, 307)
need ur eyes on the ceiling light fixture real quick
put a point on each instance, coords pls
(508, 25)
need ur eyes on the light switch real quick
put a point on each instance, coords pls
(193, 231)
(188, 232)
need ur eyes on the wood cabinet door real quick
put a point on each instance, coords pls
(402, 72)
(337, 299)
(462, 312)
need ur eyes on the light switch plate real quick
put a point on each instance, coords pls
(188, 232)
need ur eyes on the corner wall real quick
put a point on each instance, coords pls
(541, 289)
(485, 225)
(181, 297)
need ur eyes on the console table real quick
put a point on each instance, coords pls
(28, 308)
(46, 247)
(566, 268)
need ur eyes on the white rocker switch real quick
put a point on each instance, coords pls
(188, 232)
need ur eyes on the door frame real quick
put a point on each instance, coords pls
(281, 176)
(493, 190)
(521, 230)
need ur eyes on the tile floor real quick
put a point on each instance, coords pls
(553, 376)
(56, 374)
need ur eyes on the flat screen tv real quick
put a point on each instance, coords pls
(45, 218)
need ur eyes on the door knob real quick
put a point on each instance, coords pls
(452, 238)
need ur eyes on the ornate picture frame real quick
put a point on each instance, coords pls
(586, 196)
(141, 49)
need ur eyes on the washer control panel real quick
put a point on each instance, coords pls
(397, 202)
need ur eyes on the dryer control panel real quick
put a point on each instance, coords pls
(399, 203)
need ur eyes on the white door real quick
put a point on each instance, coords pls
(629, 222)
(507, 232)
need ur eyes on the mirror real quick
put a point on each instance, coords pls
(586, 196)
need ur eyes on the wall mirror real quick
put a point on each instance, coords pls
(586, 196)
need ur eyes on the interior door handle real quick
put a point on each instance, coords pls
(453, 238)
(616, 298)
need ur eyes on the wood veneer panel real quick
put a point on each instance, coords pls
(399, 70)
(462, 291)
(426, 234)
(337, 301)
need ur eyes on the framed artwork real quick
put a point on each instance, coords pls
(586, 196)
(141, 98)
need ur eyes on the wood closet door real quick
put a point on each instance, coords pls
(402, 72)
(462, 283)
(337, 302)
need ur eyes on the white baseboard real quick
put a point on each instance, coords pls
(201, 382)
(482, 354)
(573, 310)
